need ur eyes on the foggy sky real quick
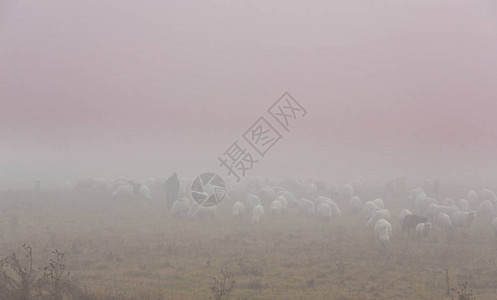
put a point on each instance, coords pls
(126, 88)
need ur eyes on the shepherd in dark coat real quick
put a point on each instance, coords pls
(172, 187)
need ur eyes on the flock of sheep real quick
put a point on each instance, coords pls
(257, 198)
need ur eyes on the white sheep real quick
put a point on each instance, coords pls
(283, 201)
(485, 209)
(443, 222)
(306, 207)
(403, 213)
(355, 205)
(383, 231)
(377, 215)
(434, 210)
(463, 219)
(449, 202)
(238, 210)
(144, 192)
(292, 201)
(415, 194)
(123, 193)
(276, 208)
(321, 199)
(267, 194)
(472, 197)
(379, 203)
(422, 204)
(423, 230)
(311, 191)
(334, 208)
(348, 191)
(369, 208)
(180, 208)
(487, 194)
(257, 214)
(324, 212)
(463, 205)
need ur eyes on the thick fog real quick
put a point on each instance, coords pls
(130, 88)
(354, 145)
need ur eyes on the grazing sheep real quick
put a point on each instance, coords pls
(311, 191)
(251, 201)
(118, 182)
(238, 210)
(144, 192)
(410, 222)
(355, 205)
(463, 219)
(472, 197)
(463, 205)
(383, 231)
(422, 204)
(276, 208)
(449, 202)
(487, 194)
(124, 193)
(324, 212)
(423, 230)
(284, 202)
(369, 208)
(494, 227)
(414, 195)
(291, 200)
(443, 222)
(403, 213)
(180, 208)
(321, 199)
(306, 207)
(434, 210)
(485, 209)
(267, 194)
(257, 214)
(377, 215)
(379, 203)
(348, 191)
(334, 208)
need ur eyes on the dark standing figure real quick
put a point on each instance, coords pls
(172, 186)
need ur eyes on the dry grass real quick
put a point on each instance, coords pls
(133, 251)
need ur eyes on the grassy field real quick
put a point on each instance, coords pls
(136, 251)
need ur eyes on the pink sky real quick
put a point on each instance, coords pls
(112, 88)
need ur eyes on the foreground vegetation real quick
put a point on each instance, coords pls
(135, 251)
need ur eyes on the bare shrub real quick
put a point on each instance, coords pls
(463, 293)
(221, 289)
(17, 281)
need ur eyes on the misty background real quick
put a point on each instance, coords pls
(139, 90)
